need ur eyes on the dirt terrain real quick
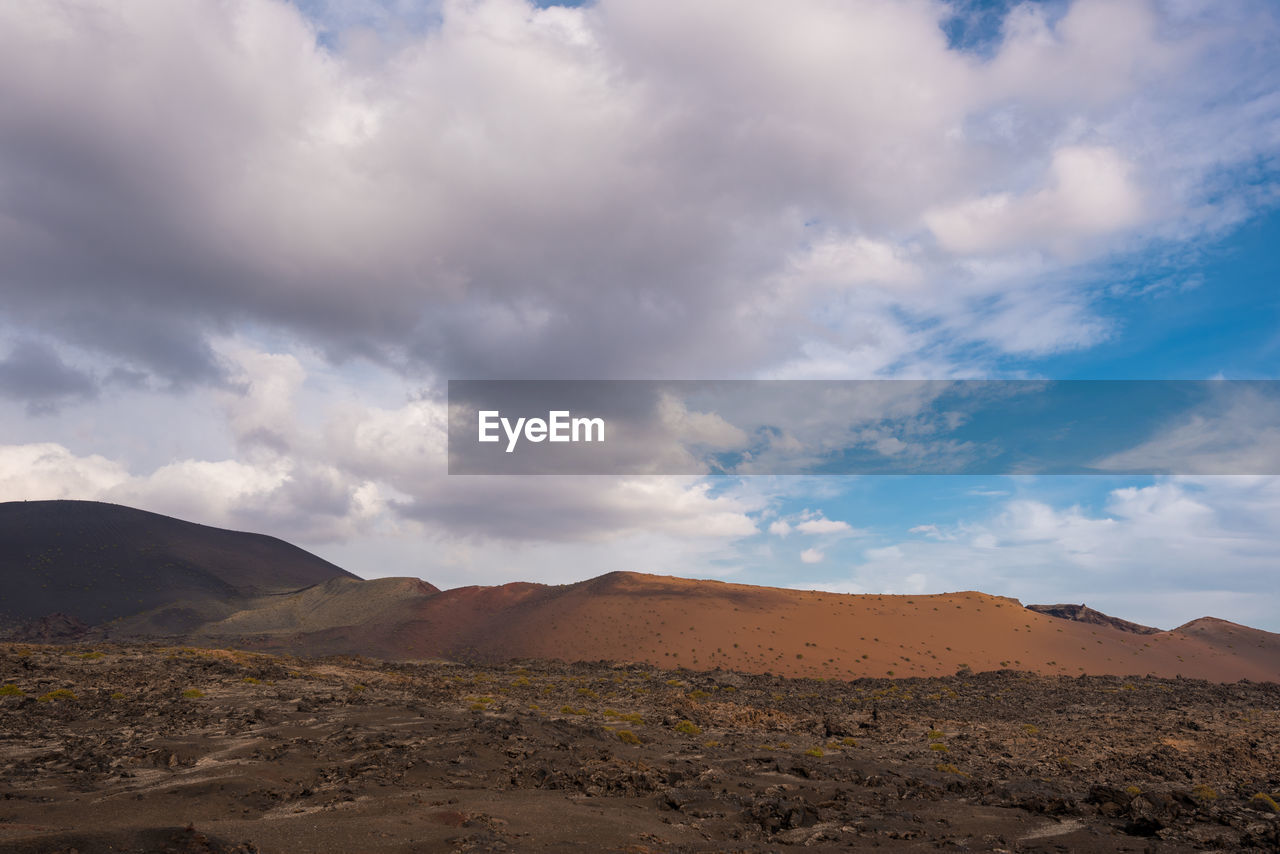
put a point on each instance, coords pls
(149, 748)
(672, 622)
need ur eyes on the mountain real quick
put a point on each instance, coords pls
(90, 572)
(702, 625)
(93, 563)
(1082, 614)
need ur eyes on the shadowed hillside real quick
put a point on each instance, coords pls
(98, 562)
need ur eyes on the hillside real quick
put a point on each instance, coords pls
(676, 622)
(99, 562)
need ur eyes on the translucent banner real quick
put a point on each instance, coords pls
(785, 427)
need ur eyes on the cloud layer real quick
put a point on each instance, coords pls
(244, 242)
(637, 188)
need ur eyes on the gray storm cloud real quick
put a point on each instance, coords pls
(35, 374)
(638, 188)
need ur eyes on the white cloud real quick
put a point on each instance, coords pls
(1235, 432)
(822, 525)
(47, 471)
(1090, 192)
(812, 556)
(1141, 556)
(351, 467)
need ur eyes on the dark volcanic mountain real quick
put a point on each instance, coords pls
(95, 562)
(1083, 614)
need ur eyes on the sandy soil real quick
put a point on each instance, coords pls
(673, 622)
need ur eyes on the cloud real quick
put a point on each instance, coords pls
(353, 467)
(1141, 555)
(283, 227)
(814, 524)
(34, 373)
(1233, 432)
(47, 471)
(811, 556)
(1090, 192)
(823, 526)
(495, 185)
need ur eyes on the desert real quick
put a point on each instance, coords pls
(306, 709)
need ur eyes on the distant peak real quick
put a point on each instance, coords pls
(1083, 614)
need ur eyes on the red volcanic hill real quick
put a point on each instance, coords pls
(676, 622)
(91, 562)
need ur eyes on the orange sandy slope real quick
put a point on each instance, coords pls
(674, 622)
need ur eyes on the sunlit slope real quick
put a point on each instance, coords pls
(707, 624)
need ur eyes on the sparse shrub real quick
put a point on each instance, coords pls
(588, 693)
(849, 742)
(688, 728)
(193, 694)
(813, 751)
(1132, 791)
(610, 713)
(710, 744)
(117, 695)
(935, 734)
(570, 710)
(1030, 729)
(1263, 801)
(478, 707)
(1204, 792)
(11, 690)
(251, 680)
(939, 747)
(698, 695)
(632, 718)
(520, 682)
(57, 694)
(948, 768)
(91, 655)
(626, 736)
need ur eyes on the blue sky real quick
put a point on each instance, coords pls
(244, 245)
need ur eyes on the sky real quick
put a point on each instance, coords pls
(244, 244)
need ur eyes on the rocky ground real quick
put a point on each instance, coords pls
(148, 748)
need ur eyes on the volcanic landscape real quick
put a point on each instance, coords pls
(172, 687)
